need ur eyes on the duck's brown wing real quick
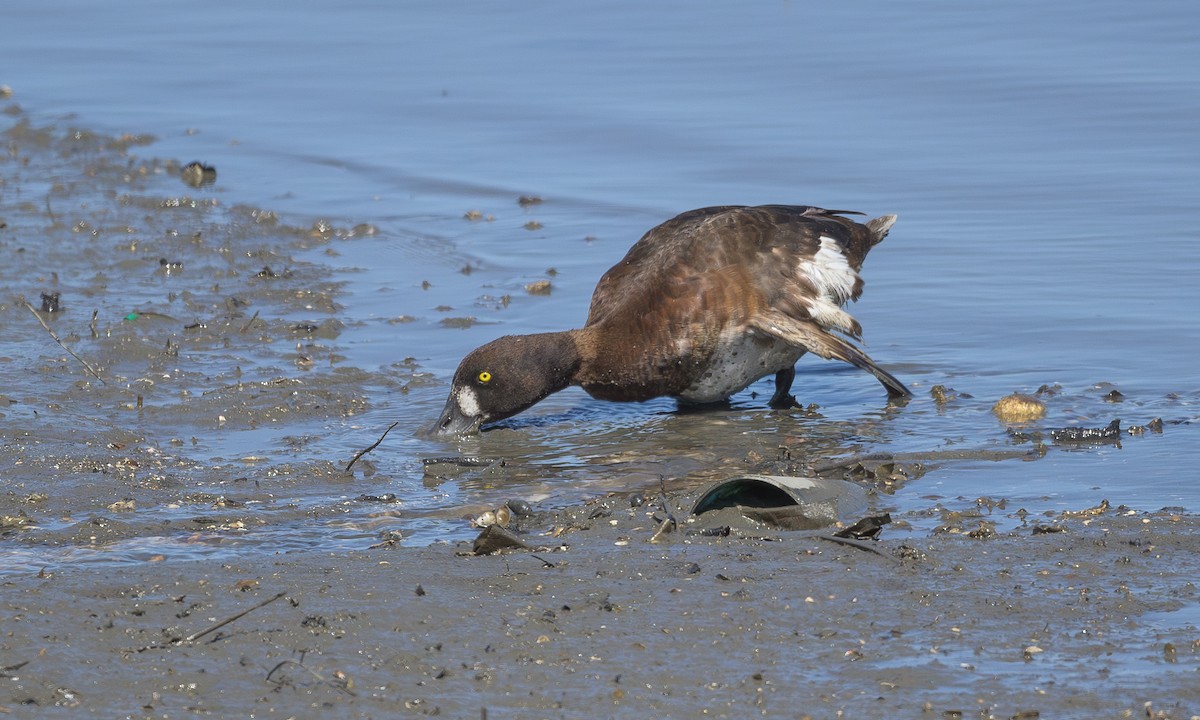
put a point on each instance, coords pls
(716, 270)
(820, 256)
(765, 240)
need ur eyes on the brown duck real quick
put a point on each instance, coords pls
(703, 305)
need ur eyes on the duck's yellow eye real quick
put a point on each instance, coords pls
(485, 377)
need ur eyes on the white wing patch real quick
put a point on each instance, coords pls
(831, 272)
(834, 279)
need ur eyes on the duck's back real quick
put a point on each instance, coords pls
(689, 290)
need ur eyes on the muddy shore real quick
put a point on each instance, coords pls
(1071, 617)
(144, 580)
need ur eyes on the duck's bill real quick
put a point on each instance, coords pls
(454, 422)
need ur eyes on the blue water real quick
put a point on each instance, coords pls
(1043, 160)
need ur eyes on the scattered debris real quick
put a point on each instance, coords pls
(867, 528)
(1040, 529)
(1087, 512)
(1107, 434)
(213, 628)
(51, 302)
(278, 677)
(373, 445)
(389, 538)
(538, 287)
(496, 539)
(789, 503)
(1019, 408)
(91, 370)
(384, 498)
(1154, 426)
(197, 174)
(500, 516)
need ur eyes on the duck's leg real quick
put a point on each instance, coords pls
(783, 399)
(816, 339)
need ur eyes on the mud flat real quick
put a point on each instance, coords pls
(157, 563)
(1088, 615)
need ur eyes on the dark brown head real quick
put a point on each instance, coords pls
(507, 376)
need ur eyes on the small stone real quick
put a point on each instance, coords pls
(198, 174)
(494, 539)
(51, 302)
(1019, 408)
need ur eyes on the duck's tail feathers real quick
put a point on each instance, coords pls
(879, 227)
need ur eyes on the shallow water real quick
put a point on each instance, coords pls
(1043, 162)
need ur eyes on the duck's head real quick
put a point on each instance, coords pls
(504, 377)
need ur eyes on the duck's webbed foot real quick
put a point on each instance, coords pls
(783, 399)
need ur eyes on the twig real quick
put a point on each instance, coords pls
(662, 497)
(71, 352)
(249, 322)
(483, 462)
(298, 664)
(929, 456)
(373, 446)
(341, 682)
(95, 314)
(196, 636)
(857, 544)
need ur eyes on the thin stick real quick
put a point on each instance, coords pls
(929, 456)
(196, 636)
(857, 544)
(339, 684)
(483, 462)
(90, 369)
(375, 445)
(250, 322)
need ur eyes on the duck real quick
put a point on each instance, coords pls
(700, 307)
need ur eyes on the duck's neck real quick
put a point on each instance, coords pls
(559, 355)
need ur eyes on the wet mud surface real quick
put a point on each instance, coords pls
(1072, 616)
(188, 364)
(176, 413)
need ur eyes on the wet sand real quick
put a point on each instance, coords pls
(137, 514)
(1066, 617)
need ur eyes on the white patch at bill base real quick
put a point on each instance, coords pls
(468, 402)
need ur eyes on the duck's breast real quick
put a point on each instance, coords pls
(740, 358)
